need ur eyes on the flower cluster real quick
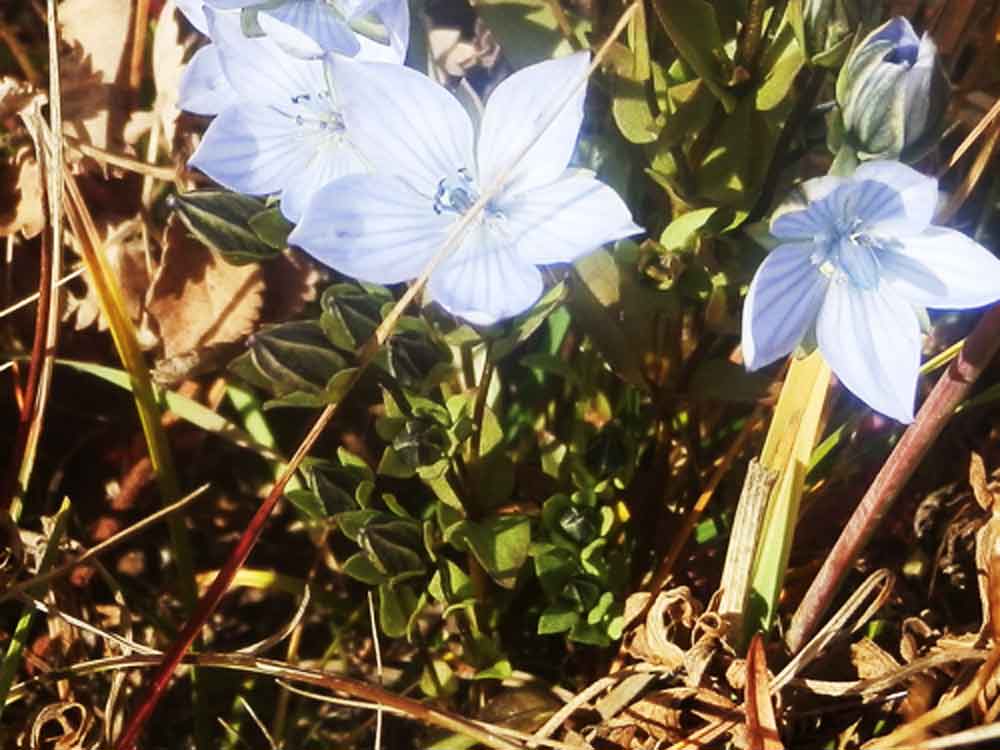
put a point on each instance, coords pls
(378, 165)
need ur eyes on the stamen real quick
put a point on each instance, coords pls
(456, 194)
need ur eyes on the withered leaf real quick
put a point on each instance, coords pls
(21, 196)
(93, 73)
(197, 299)
(762, 726)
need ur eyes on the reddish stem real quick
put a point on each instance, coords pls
(210, 600)
(980, 347)
(10, 483)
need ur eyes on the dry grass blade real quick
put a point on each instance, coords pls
(916, 729)
(975, 737)
(32, 298)
(49, 144)
(762, 726)
(972, 137)
(372, 694)
(99, 549)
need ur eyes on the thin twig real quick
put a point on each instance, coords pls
(954, 385)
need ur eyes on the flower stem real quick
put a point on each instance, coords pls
(980, 347)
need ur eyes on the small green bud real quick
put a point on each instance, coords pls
(892, 94)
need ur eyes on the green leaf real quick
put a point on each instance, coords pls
(528, 30)
(352, 522)
(694, 29)
(271, 227)
(359, 567)
(500, 545)
(393, 546)
(221, 219)
(779, 66)
(295, 357)
(554, 568)
(450, 584)
(396, 604)
(308, 503)
(441, 682)
(557, 618)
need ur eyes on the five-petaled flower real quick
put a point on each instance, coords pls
(858, 258)
(430, 170)
(283, 132)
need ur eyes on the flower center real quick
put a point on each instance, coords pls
(316, 112)
(456, 194)
(848, 255)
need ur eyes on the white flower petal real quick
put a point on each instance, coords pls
(372, 227)
(395, 14)
(204, 88)
(330, 162)
(893, 199)
(782, 303)
(194, 12)
(308, 28)
(259, 69)
(942, 268)
(232, 4)
(566, 219)
(485, 280)
(252, 149)
(871, 339)
(515, 114)
(403, 122)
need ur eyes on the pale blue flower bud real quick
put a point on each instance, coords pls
(892, 93)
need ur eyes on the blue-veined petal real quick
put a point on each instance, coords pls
(485, 279)
(893, 199)
(194, 12)
(204, 88)
(942, 268)
(804, 213)
(372, 227)
(781, 305)
(252, 149)
(258, 68)
(403, 123)
(515, 114)
(871, 340)
(564, 220)
(330, 162)
(308, 29)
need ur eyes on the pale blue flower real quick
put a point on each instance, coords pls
(204, 88)
(313, 28)
(858, 259)
(284, 132)
(430, 169)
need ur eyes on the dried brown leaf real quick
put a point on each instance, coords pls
(871, 660)
(125, 252)
(761, 723)
(21, 195)
(198, 300)
(95, 96)
(168, 66)
(669, 621)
